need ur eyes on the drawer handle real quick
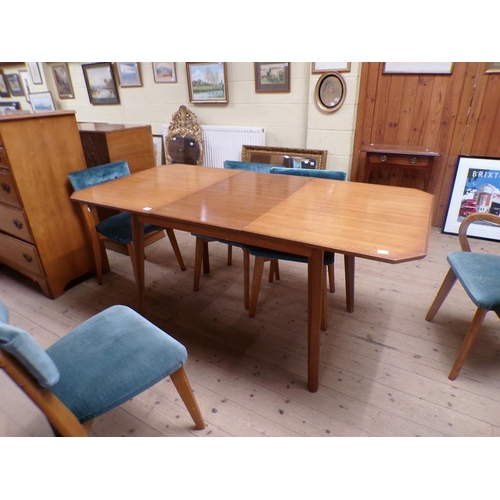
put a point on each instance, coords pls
(6, 187)
(17, 223)
(383, 158)
(27, 257)
(413, 160)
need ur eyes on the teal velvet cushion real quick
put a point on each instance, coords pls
(335, 175)
(26, 350)
(119, 228)
(246, 165)
(97, 175)
(111, 358)
(479, 274)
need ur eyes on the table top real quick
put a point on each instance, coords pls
(384, 223)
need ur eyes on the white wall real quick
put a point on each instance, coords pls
(290, 119)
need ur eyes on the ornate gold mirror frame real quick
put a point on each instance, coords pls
(184, 143)
(330, 92)
(308, 158)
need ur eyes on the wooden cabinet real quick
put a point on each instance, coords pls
(106, 142)
(398, 166)
(41, 231)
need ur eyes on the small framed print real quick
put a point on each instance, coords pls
(4, 89)
(15, 86)
(324, 67)
(42, 101)
(62, 79)
(25, 79)
(128, 74)
(101, 85)
(164, 72)
(272, 76)
(207, 82)
(36, 76)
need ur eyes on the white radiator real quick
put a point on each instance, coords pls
(224, 143)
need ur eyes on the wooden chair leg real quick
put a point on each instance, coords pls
(181, 382)
(175, 247)
(198, 260)
(444, 290)
(324, 302)
(349, 281)
(229, 255)
(274, 270)
(474, 328)
(206, 257)
(131, 253)
(246, 279)
(258, 269)
(331, 277)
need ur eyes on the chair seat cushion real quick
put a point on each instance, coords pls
(247, 165)
(226, 242)
(111, 358)
(479, 274)
(329, 257)
(119, 228)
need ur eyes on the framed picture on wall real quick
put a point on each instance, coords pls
(25, 79)
(34, 69)
(493, 67)
(4, 89)
(42, 101)
(476, 189)
(62, 79)
(129, 74)
(207, 82)
(272, 76)
(164, 72)
(324, 67)
(15, 86)
(419, 67)
(330, 92)
(100, 81)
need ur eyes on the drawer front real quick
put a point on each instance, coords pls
(402, 160)
(20, 254)
(8, 192)
(4, 161)
(13, 221)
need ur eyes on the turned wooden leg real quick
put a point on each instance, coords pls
(444, 290)
(181, 382)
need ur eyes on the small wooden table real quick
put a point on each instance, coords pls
(303, 215)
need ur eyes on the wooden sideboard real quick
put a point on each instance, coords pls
(398, 166)
(41, 231)
(107, 142)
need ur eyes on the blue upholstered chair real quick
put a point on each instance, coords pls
(202, 251)
(117, 228)
(479, 274)
(263, 254)
(101, 364)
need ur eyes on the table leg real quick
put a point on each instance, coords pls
(138, 242)
(314, 279)
(349, 279)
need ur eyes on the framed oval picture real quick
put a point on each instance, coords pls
(330, 92)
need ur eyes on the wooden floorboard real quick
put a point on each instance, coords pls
(383, 367)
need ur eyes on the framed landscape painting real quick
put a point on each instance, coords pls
(62, 79)
(272, 76)
(4, 90)
(164, 72)
(207, 82)
(101, 85)
(476, 189)
(15, 84)
(128, 74)
(42, 101)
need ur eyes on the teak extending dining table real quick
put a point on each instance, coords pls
(296, 214)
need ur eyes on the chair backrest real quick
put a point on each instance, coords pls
(336, 175)
(34, 371)
(247, 165)
(184, 142)
(98, 175)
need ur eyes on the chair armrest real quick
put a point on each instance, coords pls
(462, 231)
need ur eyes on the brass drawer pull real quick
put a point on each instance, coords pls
(6, 187)
(27, 257)
(383, 158)
(413, 160)
(17, 223)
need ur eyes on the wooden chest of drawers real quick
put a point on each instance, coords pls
(398, 166)
(41, 232)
